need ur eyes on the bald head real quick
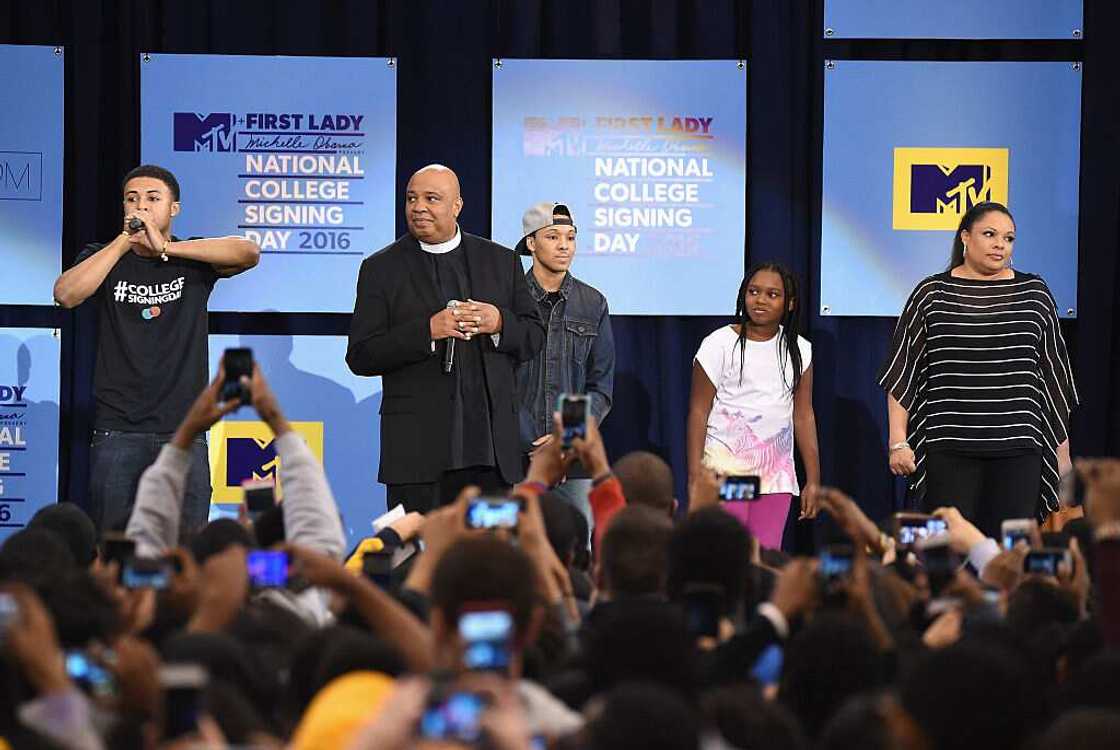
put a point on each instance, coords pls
(432, 204)
(646, 480)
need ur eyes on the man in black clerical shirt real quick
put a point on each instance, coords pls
(151, 291)
(439, 297)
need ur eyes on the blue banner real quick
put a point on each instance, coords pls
(953, 19)
(29, 368)
(910, 146)
(334, 411)
(296, 153)
(650, 156)
(31, 152)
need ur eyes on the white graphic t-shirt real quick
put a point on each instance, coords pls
(750, 427)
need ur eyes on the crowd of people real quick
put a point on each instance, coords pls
(660, 626)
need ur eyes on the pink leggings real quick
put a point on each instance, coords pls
(765, 517)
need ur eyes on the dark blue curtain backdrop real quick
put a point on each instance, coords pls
(445, 50)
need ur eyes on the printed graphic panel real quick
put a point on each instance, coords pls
(650, 156)
(31, 153)
(909, 147)
(296, 153)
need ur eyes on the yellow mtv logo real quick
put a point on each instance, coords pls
(245, 450)
(934, 187)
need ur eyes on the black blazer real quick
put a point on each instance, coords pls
(390, 337)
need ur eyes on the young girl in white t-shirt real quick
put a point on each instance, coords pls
(752, 398)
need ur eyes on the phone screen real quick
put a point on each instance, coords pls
(911, 528)
(267, 568)
(573, 417)
(1044, 562)
(486, 636)
(88, 674)
(456, 718)
(259, 497)
(237, 363)
(146, 573)
(492, 513)
(740, 489)
(1011, 537)
(835, 562)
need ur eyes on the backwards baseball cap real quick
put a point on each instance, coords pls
(540, 216)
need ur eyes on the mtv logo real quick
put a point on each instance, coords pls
(245, 450)
(934, 187)
(249, 458)
(541, 138)
(194, 132)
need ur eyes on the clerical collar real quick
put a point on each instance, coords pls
(443, 247)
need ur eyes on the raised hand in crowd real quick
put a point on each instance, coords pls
(206, 410)
(552, 575)
(852, 521)
(266, 403)
(1005, 571)
(963, 536)
(589, 449)
(860, 600)
(386, 617)
(32, 642)
(797, 588)
(441, 528)
(135, 664)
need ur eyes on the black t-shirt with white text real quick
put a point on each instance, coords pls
(151, 349)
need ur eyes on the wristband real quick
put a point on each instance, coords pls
(602, 478)
(899, 446)
(163, 252)
(540, 487)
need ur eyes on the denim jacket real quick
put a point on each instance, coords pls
(578, 357)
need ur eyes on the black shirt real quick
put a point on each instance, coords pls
(151, 349)
(472, 442)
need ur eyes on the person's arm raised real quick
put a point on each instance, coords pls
(228, 256)
(385, 616)
(78, 283)
(310, 513)
(154, 522)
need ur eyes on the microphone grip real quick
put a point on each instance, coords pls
(449, 356)
(449, 348)
(135, 225)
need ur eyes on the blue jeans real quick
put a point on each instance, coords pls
(117, 459)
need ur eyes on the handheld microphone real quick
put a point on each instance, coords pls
(135, 225)
(449, 349)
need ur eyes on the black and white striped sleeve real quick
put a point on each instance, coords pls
(904, 369)
(1059, 389)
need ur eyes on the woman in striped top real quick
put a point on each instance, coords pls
(979, 385)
